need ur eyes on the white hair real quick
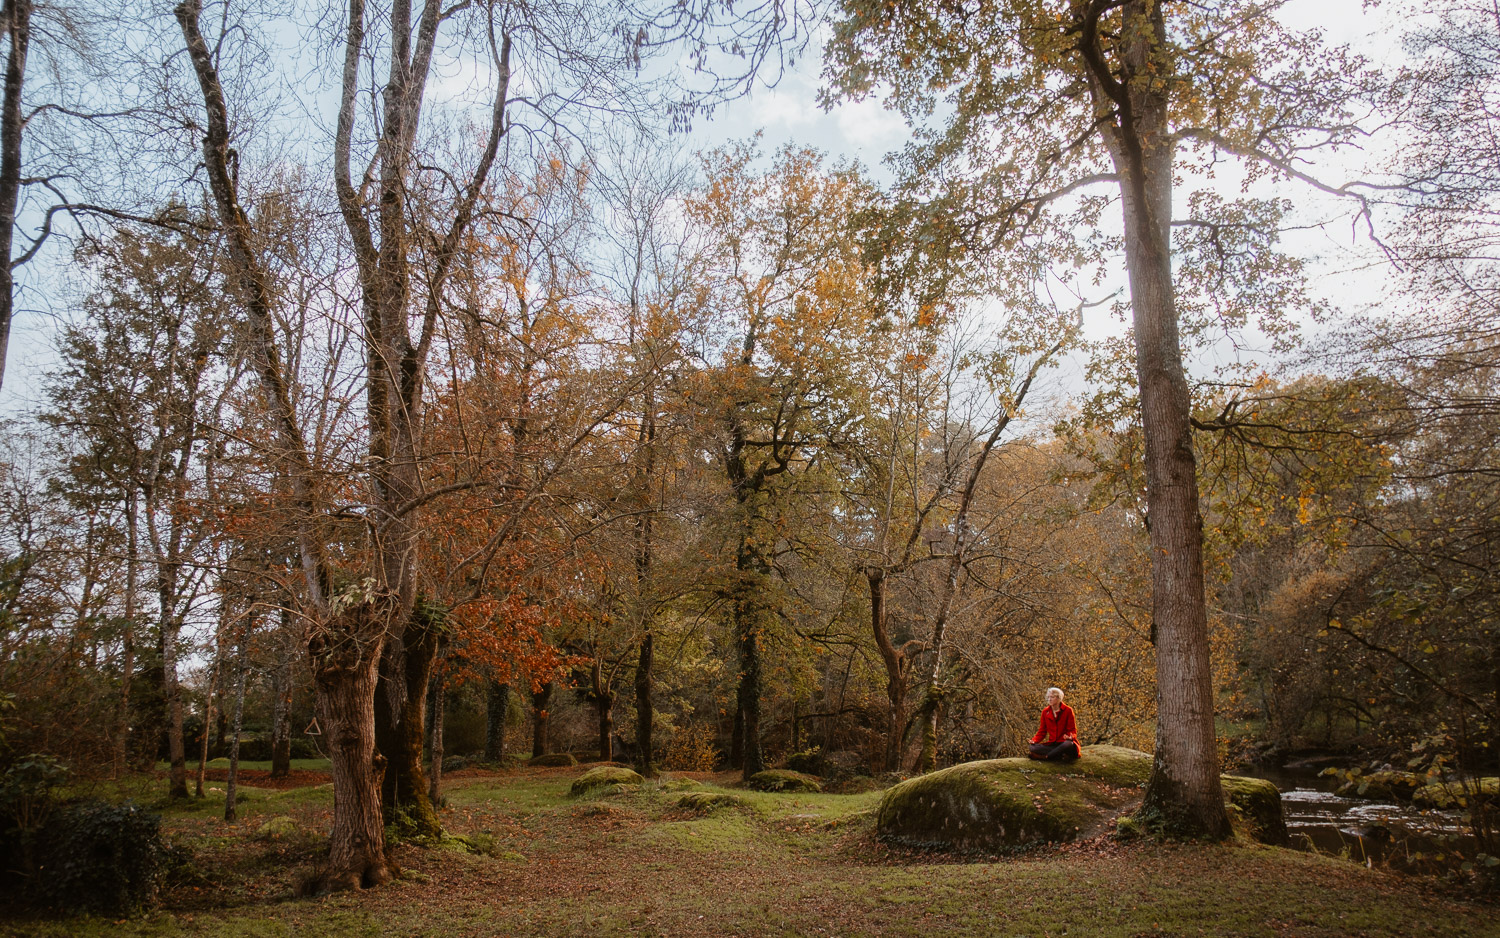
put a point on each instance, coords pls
(1059, 692)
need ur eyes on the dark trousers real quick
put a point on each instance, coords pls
(1065, 751)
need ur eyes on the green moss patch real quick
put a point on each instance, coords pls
(1003, 804)
(706, 802)
(553, 760)
(604, 776)
(783, 780)
(1006, 803)
(1255, 806)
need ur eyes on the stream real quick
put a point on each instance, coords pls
(1368, 831)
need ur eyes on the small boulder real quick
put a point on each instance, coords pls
(278, 827)
(681, 784)
(1255, 806)
(706, 802)
(783, 780)
(553, 760)
(604, 776)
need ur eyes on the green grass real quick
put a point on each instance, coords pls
(263, 765)
(535, 861)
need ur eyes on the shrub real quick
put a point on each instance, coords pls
(27, 800)
(809, 761)
(102, 858)
(692, 749)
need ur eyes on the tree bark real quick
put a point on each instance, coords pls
(345, 654)
(1184, 794)
(16, 15)
(439, 697)
(540, 720)
(281, 701)
(645, 706)
(497, 706)
(749, 622)
(400, 718)
(127, 640)
(172, 699)
(897, 665)
(231, 787)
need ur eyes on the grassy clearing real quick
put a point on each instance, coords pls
(526, 858)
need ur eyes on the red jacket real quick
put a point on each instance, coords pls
(1058, 727)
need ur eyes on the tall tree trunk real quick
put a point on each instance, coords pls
(231, 787)
(208, 697)
(171, 692)
(343, 650)
(17, 18)
(749, 622)
(497, 706)
(540, 720)
(281, 700)
(896, 667)
(345, 654)
(1184, 792)
(737, 739)
(208, 709)
(400, 718)
(645, 706)
(127, 640)
(439, 697)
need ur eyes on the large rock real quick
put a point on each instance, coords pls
(553, 760)
(1002, 804)
(603, 776)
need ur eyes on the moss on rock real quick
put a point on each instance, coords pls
(680, 784)
(1005, 803)
(1455, 794)
(604, 776)
(706, 802)
(553, 760)
(783, 780)
(1000, 804)
(1255, 806)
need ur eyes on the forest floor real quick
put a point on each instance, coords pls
(524, 858)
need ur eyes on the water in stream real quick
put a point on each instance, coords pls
(1368, 831)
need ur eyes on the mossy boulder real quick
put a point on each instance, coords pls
(1255, 806)
(680, 784)
(1005, 803)
(1383, 785)
(706, 802)
(278, 827)
(553, 760)
(783, 780)
(1454, 794)
(1000, 804)
(604, 776)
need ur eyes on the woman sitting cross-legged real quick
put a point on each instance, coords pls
(1058, 737)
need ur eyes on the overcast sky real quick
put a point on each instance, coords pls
(865, 132)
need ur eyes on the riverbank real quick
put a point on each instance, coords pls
(528, 859)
